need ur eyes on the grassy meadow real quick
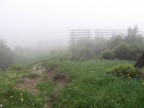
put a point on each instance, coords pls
(89, 86)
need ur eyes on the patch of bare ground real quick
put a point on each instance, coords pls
(38, 73)
(38, 69)
(59, 78)
(29, 85)
(30, 81)
(50, 74)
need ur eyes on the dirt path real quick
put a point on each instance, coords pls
(37, 73)
(29, 85)
(29, 82)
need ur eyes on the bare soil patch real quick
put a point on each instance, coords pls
(29, 85)
(38, 73)
(30, 81)
(61, 80)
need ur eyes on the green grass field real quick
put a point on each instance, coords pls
(89, 87)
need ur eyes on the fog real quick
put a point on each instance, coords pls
(35, 23)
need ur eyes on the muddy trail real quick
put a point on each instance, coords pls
(37, 73)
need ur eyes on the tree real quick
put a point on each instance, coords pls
(133, 36)
(6, 55)
(114, 41)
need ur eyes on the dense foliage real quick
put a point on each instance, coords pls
(127, 47)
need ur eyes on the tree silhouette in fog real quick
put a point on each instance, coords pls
(6, 55)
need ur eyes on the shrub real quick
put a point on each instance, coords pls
(108, 54)
(123, 51)
(125, 70)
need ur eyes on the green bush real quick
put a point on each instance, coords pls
(128, 51)
(123, 51)
(125, 70)
(108, 54)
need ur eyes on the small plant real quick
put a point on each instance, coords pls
(125, 70)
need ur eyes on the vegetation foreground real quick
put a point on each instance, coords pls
(73, 84)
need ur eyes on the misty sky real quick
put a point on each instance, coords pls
(29, 22)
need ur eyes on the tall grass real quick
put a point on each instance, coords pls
(91, 87)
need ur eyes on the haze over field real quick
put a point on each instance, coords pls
(30, 23)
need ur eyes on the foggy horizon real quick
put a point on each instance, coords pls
(27, 23)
